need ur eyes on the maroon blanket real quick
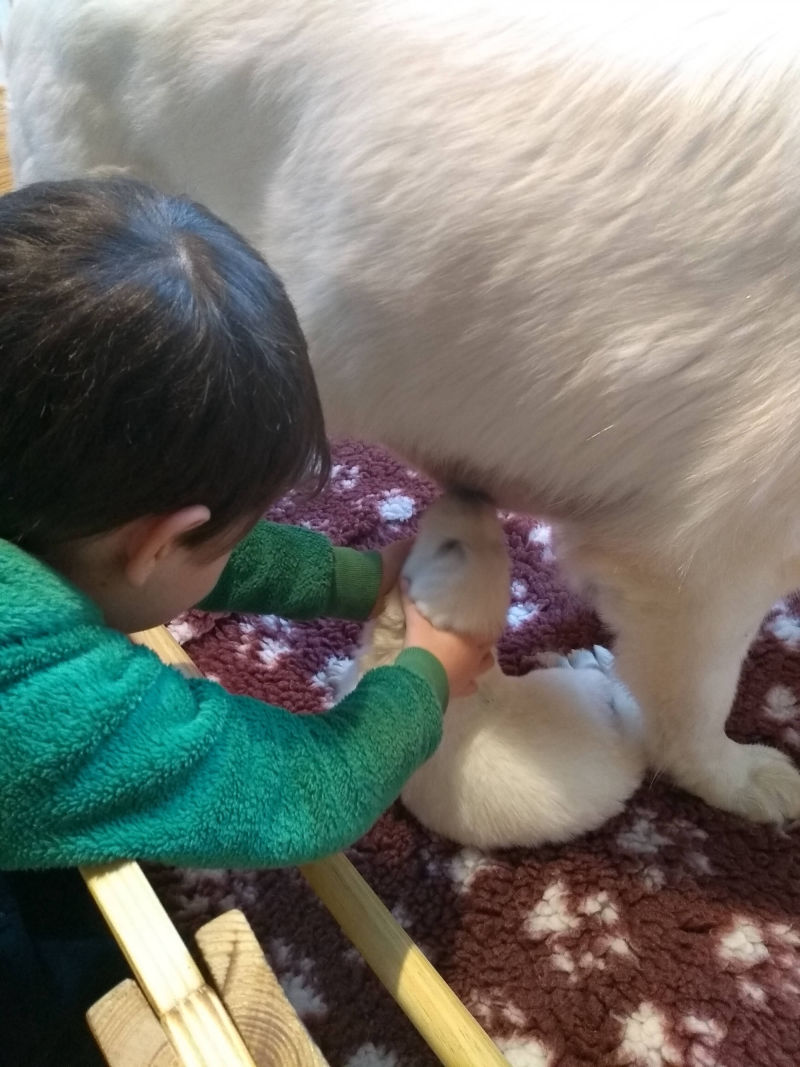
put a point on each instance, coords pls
(669, 937)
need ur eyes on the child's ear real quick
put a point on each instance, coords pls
(150, 541)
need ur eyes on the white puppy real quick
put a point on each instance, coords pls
(546, 249)
(523, 761)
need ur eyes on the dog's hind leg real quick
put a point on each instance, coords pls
(681, 643)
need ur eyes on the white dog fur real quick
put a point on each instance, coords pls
(523, 761)
(543, 248)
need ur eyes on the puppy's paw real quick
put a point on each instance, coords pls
(458, 571)
(619, 701)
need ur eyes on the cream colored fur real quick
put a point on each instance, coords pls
(547, 249)
(523, 761)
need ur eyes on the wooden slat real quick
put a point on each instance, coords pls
(6, 181)
(188, 1009)
(157, 956)
(431, 1005)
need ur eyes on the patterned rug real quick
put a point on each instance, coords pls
(670, 937)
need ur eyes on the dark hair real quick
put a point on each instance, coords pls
(149, 360)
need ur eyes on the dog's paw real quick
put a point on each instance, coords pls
(458, 571)
(754, 781)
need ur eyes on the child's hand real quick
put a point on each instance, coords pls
(393, 557)
(464, 658)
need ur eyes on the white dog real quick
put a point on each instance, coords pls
(544, 249)
(523, 761)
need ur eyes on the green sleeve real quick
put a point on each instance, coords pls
(117, 756)
(298, 574)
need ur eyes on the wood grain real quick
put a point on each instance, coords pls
(431, 1005)
(252, 994)
(189, 1011)
(247, 1021)
(127, 1031)
(6, 181)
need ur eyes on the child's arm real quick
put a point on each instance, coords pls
(296, 573)
(109, 754)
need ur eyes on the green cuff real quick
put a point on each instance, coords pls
(423, 663)
(356, 581)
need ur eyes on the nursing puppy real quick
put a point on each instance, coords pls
(545, 249)
(522, 761)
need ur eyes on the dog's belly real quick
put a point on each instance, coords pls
(571, 287)
(553, 252)
(460, 476)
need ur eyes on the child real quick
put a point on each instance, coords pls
(155, 398)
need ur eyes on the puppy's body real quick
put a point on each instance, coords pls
(547, 248)
(523, 761)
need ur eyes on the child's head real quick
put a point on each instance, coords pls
(151, 365)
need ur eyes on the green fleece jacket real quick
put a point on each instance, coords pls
(106, 754)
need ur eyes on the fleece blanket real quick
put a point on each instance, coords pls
(669, 937)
